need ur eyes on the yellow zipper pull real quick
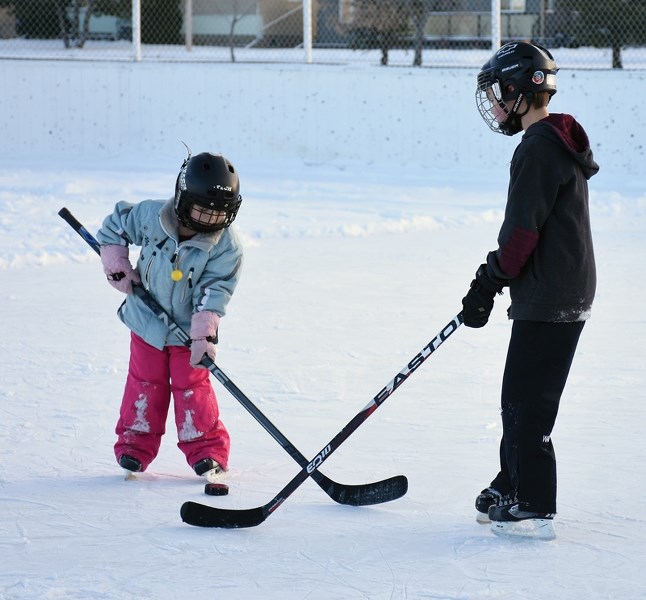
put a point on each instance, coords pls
(176, 274)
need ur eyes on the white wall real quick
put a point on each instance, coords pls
(320, 114)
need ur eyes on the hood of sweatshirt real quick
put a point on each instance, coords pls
(565, 130)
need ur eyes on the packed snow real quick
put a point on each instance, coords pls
(348, 273)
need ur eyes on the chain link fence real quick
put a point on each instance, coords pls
(431, 33)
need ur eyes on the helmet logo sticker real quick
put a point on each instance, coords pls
(506, 49)
(182, 178)
(538, 77)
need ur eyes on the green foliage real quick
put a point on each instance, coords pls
(381, 24)
(369, 38)
(118, 8)
(611, 23)
(161, 22)
(37, 19)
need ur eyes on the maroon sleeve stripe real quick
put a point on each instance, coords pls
(514, 254)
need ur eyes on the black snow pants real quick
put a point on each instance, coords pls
(538, 363)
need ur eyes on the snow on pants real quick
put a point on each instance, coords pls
(538, 363)
(153, 376)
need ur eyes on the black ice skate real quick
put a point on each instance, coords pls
(130, 465)
(487, 497)
(518, 519)
(209, 468)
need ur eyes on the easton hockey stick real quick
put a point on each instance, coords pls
(201, 515)
(354, 495)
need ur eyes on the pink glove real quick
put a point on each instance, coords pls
(204, 335)
(117, 267)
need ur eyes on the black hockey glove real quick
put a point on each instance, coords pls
(478, 303)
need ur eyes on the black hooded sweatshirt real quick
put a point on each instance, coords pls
(545, 253)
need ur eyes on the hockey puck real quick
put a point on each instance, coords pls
(216, 489)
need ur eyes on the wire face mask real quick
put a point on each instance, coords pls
(494, 110)
(211, 219)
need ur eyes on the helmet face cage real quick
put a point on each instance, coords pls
(492, 107)
(207, 195)
(514, 73)
(492, 97)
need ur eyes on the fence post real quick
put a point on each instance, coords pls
(307, 30)
(136, 29)
(495, 25)
(188, 25)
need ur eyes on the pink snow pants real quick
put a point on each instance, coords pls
(153, 376)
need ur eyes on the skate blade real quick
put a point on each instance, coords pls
(482, 518)
(538, 529)
(128, 475)
(213, 475)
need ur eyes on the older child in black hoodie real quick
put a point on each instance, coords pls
(545, 256)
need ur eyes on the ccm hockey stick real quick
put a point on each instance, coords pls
(354, 495)
(201, 515)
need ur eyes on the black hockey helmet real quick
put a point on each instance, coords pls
(514, 73)
(207, 192)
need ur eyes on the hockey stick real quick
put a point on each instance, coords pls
(354, 495)
(201, 515)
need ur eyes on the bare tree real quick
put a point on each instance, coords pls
(420, 11)
(419, 16)
(73, 31)
(238, 15)
(380, 24)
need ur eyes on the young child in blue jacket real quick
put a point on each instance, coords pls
(190, 262)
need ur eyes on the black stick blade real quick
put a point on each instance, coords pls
(201, 515)
(371, 493)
